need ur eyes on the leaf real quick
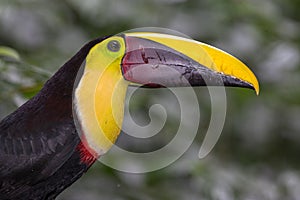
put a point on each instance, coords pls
(29, 92)
(9, 53)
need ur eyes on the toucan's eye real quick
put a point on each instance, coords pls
(114, 46)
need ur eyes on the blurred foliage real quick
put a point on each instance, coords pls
(8, 53)
(257, 156)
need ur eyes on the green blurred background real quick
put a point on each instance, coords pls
(257, 156)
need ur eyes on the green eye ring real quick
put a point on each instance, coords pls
(114, 46)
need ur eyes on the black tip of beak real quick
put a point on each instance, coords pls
(202, 76)
(235, 82)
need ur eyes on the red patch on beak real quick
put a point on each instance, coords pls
(152, 64)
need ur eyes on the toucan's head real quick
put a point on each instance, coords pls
(149, 60)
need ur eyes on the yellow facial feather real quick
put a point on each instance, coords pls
(100, 95)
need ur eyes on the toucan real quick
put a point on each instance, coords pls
(51, 140)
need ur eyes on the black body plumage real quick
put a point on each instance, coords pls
(38, 155)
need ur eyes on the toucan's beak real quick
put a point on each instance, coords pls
(156, 60)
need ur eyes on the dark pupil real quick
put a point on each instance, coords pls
(113, 46)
